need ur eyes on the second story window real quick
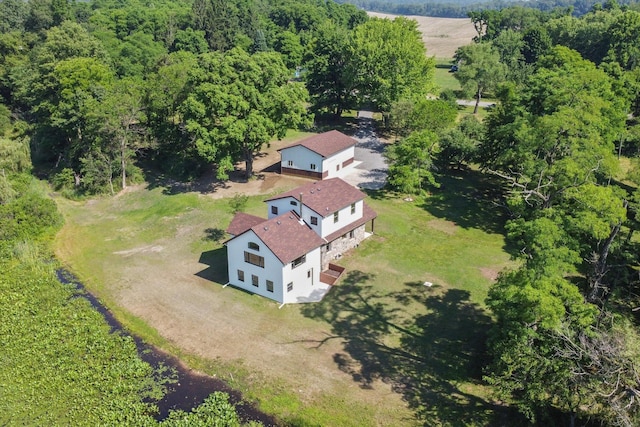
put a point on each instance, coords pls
(274, 210)
(298, 261)
(254, 246)
(336, 216)
(314, 220)
(353, 208)
(313, 166)
(254, 259)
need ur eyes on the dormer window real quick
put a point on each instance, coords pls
(293, 203)
(254, 246)
(274, 210)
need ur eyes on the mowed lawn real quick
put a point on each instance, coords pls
(381, 348)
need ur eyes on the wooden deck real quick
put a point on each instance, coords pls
(331, 275)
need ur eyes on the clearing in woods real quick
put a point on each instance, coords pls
(441, 36)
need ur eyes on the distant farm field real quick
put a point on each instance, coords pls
(441, 36)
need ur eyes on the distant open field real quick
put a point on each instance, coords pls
(442, 36)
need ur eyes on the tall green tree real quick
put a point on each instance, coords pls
(237, 102)
(391, 62)
(411, 162)
(479, 69)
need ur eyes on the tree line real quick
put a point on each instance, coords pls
(562, 145)
(461, 8)
(104, 87)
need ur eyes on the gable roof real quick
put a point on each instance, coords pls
(326, 144)
(285, 235)
(241, 222)
(325, 197)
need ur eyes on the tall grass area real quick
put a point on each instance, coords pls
(427, 341)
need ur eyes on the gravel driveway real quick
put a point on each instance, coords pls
(370, 171)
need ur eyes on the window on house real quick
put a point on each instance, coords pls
(353, 208)
(336, 216)
(313, 166)
(254, 259)
(274, 210)
(241, 275)
(351, 234)
(289, 286)
(314, 220)
(254, 280)
(293, 203)
(289, 162)
(254, 246)
(308, 274)
(269, 286)
(328, 247)
(337, 168)
(296, 262)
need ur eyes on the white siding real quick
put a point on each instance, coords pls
(283, 205)
(301, 157)
(303, 287)
(272, 267)
(345, 217)
(330, 163)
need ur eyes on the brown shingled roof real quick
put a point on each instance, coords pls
(326, 196)
(287, 237)
(241, 222)
(367, 215)
(325, 144)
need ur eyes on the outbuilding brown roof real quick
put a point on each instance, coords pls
(287, 236)
(326, 144)
(325, 197)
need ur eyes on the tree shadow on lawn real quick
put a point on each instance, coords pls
(470, 199)
(216, 260)
(437, 348)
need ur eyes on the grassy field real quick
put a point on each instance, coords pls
(380, 349)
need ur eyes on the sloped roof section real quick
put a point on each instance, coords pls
(326, 196)
(241, 222)
(326, 144)
(287, 236)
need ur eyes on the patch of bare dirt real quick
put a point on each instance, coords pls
(447, 227)
(441, 36)
(490, 273)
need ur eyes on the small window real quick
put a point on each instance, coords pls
(269, 286)
(293, 203)
(241, 275)
(328, 247)
(289, 286)
(289, 162)
(313, 166)
(308, 274)
(351, 234)
(337, 168)
(314, 220)
(298, 261)
(254, 246)
(336, 216)
(353, 208)
(274, 210)
(254, 280)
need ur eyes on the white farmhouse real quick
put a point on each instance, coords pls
(287, 257)
(319, 156)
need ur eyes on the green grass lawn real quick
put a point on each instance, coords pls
(381, 323)
(443, 78)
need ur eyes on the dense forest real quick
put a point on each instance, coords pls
(98, 95)
(460, 8)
